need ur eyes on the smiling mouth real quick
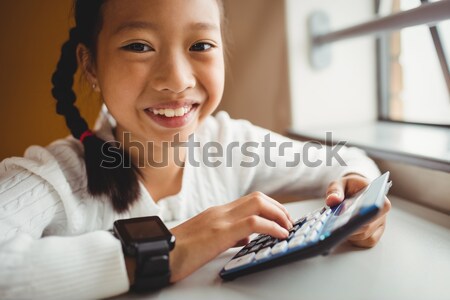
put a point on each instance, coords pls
(173, 117)
(172, 112)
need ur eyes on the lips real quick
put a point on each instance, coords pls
(173, 115)
(169, 112)
(173, 104)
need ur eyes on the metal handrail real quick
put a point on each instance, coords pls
(429, 14)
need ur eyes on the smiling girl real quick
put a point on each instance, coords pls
(159, 68)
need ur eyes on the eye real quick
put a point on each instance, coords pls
(138, 47)
(202, 46)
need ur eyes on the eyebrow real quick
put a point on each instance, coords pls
(204, 26)
(136, 25)
(152, 26)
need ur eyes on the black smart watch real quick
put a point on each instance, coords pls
(149, 241)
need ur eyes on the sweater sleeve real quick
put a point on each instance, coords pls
(34, 264)
(308, 169)
(286, 166)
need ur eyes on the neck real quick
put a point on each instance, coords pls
(159, 164)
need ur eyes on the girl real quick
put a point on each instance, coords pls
(159, 68)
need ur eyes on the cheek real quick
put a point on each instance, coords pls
(220, 80)
(214, 81)
(214, 87)
(121, 83)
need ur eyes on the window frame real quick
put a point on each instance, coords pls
(382, 44)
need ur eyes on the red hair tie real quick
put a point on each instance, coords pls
(85, 135)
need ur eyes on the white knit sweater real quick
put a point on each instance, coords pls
(53, 238)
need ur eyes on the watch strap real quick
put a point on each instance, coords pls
(152, 266)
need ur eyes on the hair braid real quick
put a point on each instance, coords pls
(118, 182)
(62, 86)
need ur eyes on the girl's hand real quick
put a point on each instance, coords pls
(368, 235)
(219, 228)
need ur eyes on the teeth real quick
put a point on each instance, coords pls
(179, 111)
(168, 112)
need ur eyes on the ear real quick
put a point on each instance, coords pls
(85, 62)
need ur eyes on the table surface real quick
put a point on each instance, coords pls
(412, 261)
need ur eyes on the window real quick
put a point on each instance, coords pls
(408, 67)
(414, 79)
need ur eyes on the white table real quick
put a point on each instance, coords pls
(412, 261)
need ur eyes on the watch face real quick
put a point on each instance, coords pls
(142, 229)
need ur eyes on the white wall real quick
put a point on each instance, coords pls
(344, 92)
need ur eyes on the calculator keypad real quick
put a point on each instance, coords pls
(241, 261)
(279, 247)
(263, 253)
(305, 230)
(297, 241)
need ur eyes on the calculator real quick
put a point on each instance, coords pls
(314, 234)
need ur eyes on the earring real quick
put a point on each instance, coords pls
(94, 86)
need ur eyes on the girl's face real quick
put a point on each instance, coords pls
(160, 65)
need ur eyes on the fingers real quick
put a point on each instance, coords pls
(281, 206)
(387, 206)
(259, 224)
(262, 205)
(242, 242)
(370, 241)
(368, 235)
(367, 230)
(335, 193)
(218, 228)
(349, 185)
(354, 183)
(377, 221)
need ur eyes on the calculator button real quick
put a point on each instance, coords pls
(260, 236)
(300, 221)
(328, 211)
(263, 253)
(291, 234)
(312, 236)
(323, 218)
(240, 261)
(280, 247)
(255, 248)
(318, 226)
(319, 210)
(308, 224)
(264, 239)
(242, 252)
(294, 229)
(309, 217)
(316, 216)
(268, 244)
(251, 244)
(303, 231)
(297, 241)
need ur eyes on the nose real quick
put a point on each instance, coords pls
(173, 72)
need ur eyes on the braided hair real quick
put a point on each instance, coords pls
(118, 183)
